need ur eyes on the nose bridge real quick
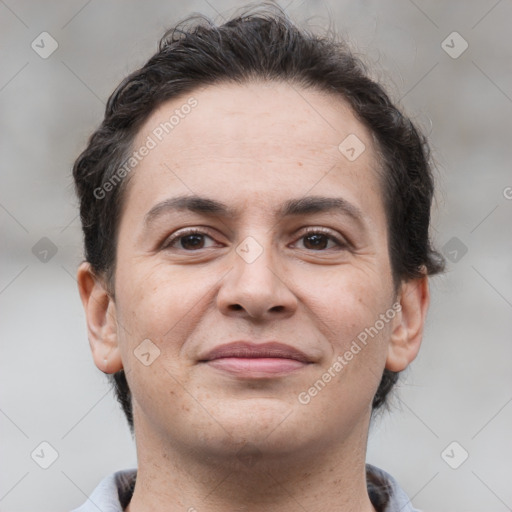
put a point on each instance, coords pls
(254, 261)
(255, 285)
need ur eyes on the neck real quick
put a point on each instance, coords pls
(316, 478)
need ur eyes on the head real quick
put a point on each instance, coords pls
(255, 115)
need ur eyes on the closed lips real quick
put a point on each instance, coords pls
(248, 350)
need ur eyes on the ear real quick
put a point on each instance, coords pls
(414, 298)
(100, 312)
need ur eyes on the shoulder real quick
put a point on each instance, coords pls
(385, 493)
(112, 494)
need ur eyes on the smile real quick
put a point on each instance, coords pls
(257, 367)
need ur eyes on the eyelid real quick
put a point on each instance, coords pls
(340, 240)
(199, 230)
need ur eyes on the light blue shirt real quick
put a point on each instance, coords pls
(118, 487)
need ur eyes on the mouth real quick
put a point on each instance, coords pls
(256, 359)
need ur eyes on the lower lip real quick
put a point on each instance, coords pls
(254, 365)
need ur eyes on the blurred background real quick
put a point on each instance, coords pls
(449, 64)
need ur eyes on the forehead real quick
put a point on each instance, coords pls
(264, 139)
(249, 116)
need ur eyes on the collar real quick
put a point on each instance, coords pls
(115, 491)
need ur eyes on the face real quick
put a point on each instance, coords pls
(285, 241)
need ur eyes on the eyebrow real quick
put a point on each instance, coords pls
(293, 207)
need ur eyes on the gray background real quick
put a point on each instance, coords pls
(459, 389)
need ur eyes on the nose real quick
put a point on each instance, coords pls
(256, 287)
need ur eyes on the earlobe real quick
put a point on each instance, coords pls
(100, 313)
(408, 329)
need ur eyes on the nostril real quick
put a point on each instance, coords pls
(277, 309)
(236, 307)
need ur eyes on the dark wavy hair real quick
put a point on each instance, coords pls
(262, 43)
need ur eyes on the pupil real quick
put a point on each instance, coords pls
(318, 241)
(196, 241)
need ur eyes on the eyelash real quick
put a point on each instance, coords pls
(182, 234)
(167, 244)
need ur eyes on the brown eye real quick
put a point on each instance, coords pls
(316, 241)
(320, 241)
(191, 240)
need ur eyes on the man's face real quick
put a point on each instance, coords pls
(314, 278)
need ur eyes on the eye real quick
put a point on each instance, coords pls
(320, 240)
(189, 240)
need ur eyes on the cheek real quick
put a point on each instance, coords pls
(350, 319)
(145, 309)
(347, 299)
(348, 309)
(162, 304)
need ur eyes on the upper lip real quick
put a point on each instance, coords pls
(248, 349)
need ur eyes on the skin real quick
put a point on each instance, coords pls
(252, 147)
